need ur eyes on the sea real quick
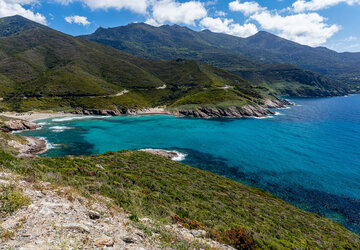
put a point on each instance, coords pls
(307, 154)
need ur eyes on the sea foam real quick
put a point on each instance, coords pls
(59, 128)
(71, 118)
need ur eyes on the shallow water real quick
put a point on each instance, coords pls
(308, 155)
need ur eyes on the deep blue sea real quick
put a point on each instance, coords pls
(308, 155)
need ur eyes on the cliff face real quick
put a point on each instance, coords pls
(231, 112)
(256, 110)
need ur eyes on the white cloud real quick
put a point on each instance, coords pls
(175, 12)
(137, 6)
(228, 26)
(81, 20)
(153, 22)
(247, 8)
(309, 29)
(312, 5)
(15, 7)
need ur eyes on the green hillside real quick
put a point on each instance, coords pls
(254, 58)
(166, 191)
(42, 68)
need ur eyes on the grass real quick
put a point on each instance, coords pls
(152, 186)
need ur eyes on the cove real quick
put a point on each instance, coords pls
(308, 155)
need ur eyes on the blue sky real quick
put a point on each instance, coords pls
(331, 23)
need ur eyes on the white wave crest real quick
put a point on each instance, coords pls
(43, 123)
(71, 118)
(179, 157)
(59, 129)
(263, 117)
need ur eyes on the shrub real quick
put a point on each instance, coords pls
(238, 238)
(11, 200)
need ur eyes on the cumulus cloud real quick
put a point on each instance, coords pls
(304, 28)
(15, 7)
(228, 26)
(153, 22)
(175, 12)
(137, 6)
(247, 8)
(81, 20)
(312, 5)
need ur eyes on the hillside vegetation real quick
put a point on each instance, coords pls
(263, 58)
(41, 68)
(155, 187)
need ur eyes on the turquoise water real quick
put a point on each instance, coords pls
(308, 155)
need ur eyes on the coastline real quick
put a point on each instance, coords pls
(212, 111)
(34, 115)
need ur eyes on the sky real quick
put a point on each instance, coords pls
(330, 23)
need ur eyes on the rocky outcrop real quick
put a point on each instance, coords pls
(147, 111)
(230, 112)
(254, 110)
(172, 155)
(30, 148)
(16, 125)
(100, 112)
(276, 103)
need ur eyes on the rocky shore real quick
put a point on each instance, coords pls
(255, 110)
(172, 155)
(30, 148)
(149, 111)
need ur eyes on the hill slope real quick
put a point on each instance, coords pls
(39, 64)
(155, 187)
(233, 54)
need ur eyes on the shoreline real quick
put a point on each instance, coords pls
(247, 111)
(34, 115)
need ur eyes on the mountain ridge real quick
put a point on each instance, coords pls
(221, 50)
(44, 68)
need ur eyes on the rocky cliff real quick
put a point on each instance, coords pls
(254, 110)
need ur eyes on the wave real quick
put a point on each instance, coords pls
(48, 144)
(59, 128)
(180, 156)
(71, 118)
(43, 123)
(263, 117)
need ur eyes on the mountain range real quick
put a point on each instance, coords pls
(141, 66)
(261, 58)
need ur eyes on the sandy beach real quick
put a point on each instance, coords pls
(33, 116)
